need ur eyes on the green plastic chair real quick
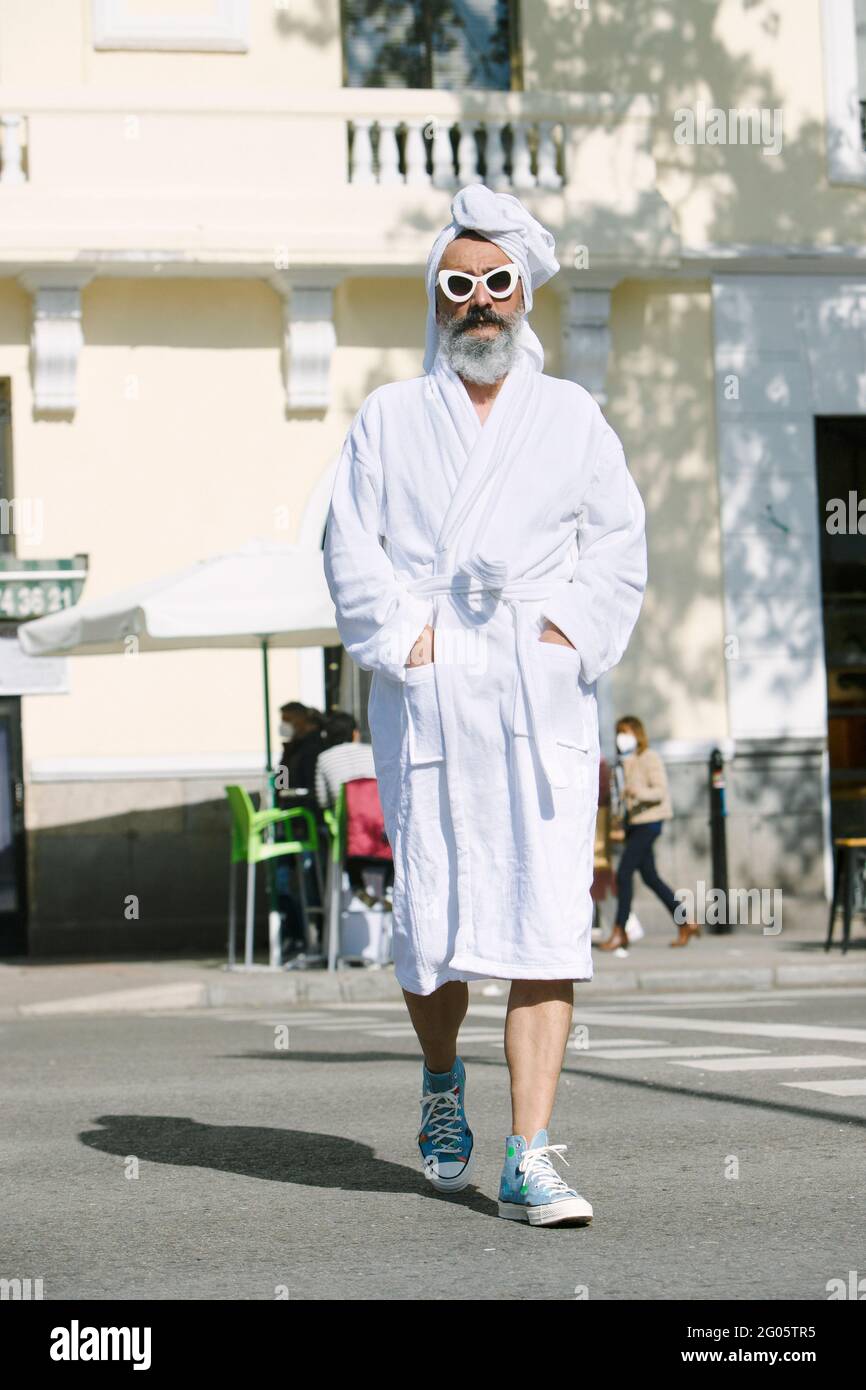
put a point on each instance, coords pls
(249, 846)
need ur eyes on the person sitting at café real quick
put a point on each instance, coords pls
(344, 757)
(303, 730)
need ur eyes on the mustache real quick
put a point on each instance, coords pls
(474, 317)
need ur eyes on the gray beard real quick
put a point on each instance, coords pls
(481, 360)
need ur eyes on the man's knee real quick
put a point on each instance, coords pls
(532, 990)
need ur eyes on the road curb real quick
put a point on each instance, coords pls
(357, 987)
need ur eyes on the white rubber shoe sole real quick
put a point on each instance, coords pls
(455, 1184)
(571, 1211)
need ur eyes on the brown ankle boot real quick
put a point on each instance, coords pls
(687, 931)
(616, 939)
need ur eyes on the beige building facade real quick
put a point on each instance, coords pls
(214, 220)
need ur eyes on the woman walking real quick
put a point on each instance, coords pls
(647, 804)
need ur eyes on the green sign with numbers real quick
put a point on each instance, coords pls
(32, 588)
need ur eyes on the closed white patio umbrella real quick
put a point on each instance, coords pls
(263, 591)
(263, 595)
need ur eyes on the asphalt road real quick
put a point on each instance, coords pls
(231, 1154)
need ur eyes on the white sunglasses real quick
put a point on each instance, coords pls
(459, 286)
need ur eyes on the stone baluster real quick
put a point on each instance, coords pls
(496, 175)
(416, 153)
(389, 153)
(548, 177)
(467, 154)
(521, 165)
(11, 156)
(443, 156)
(377, 160)
(362, 151)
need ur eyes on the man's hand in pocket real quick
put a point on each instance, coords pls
(422, 650)
(552, 633)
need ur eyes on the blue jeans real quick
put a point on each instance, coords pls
(637, 857)
(287, 900)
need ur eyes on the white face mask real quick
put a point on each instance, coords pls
(626, 743)
(287, 730)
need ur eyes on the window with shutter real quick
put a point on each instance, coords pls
(448, 45)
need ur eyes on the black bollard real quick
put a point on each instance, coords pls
(718, 841)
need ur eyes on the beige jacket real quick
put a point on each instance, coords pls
(645, 788)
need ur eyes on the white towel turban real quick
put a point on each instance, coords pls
(504, 220)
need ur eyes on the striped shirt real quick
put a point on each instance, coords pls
(341, 764)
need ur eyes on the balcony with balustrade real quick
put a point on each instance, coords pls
(308, 191)
(345, 178)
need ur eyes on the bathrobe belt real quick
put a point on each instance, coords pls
(479, 576)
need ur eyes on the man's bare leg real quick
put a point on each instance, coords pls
(537, 1026)
(436, 1019)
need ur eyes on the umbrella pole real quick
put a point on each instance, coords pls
(274, 949)
(272, 796)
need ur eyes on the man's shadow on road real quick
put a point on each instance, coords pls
(275, 1155)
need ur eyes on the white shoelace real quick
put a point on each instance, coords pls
(535, 1163)
(441, 1114)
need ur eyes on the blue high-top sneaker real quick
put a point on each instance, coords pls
(445, 1139)
(530, 1188)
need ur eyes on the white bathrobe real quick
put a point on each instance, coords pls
(487, 757)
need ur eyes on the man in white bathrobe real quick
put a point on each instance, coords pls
(485, 552)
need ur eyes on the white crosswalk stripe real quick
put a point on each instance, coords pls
(648, 1053)
(635, 1038)
(395, 1030)
(363, 1025)
(249, 1016)
(855, 1086)
(467, 1035)
(803, 1032)
(477, 1035)
(784, 1063)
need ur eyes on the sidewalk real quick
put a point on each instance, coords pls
(743, 959)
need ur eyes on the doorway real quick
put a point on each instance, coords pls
(840, 452)
(13, 877)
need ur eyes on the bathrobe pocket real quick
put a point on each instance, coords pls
(558, 669)
(423, 720)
